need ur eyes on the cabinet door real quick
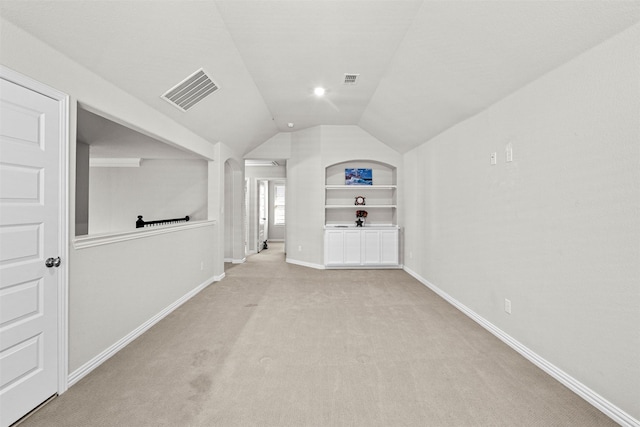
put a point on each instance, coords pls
(334, 247)
(371, 247)
(352, 247)
(389, 246)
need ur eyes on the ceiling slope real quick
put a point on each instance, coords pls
(424, 65)
(146, 48)
(291, 47)
(459, 57)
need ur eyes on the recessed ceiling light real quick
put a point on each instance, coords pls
(290, 125)
(319, 91)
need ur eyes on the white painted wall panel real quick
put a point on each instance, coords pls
(139, 287)
(556, 230)
(158, 189)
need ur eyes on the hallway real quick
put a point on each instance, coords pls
(274, 344)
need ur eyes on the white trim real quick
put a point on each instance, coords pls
(92, 364)
(84, 242)
(305, 264)
(364, 267)
(63, 213)
(120, 162)
(235, 261)
(219, 277)
(608, 408)
(63, 284)
(365, 187)
(356, 206)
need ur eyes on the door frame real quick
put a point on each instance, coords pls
(63, 213)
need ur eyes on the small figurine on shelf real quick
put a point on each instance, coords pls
(359, 200)
(361, 215)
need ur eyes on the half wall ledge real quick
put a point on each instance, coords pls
(140, 233)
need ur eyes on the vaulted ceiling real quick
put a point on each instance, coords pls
(423, 65)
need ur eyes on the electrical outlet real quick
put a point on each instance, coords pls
(507, 306)
(494, 158)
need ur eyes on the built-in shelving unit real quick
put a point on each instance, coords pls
(375, 244)
(380, 198)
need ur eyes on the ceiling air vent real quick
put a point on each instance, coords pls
(351, 79)
(191, 90)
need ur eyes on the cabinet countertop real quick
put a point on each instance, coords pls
(365, 227)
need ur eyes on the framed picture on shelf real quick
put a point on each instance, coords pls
(358, 176)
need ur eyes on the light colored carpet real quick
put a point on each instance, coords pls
(275, 344)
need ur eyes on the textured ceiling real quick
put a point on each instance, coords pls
(424, 65)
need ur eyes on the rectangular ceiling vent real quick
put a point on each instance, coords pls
(351, 79)
(191, 90)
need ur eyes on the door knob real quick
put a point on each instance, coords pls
(52, 262)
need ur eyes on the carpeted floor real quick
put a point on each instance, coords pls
(274, 344)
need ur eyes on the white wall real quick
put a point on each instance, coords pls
(305, 190)
(158, 189)
(276, 147)
(557, 230)
(116, 288)
(106, 276)
(228, 212)
(223, 197)
(82, 189)
(340, 143)
(312, 150)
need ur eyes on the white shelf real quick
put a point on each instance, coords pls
(381, 198)
(360, 187)
(366, 226)
(359, 207)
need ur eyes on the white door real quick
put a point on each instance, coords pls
(263, 208)
(30, 137)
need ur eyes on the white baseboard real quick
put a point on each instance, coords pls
(92, 364)
(608, 408)
(235, 261)
(305, 264)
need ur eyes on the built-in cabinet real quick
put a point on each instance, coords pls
(361, 247)
(376, 242)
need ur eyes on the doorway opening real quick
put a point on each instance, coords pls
(265, 190)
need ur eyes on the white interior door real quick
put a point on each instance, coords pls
(263, 212)
(30, 138)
